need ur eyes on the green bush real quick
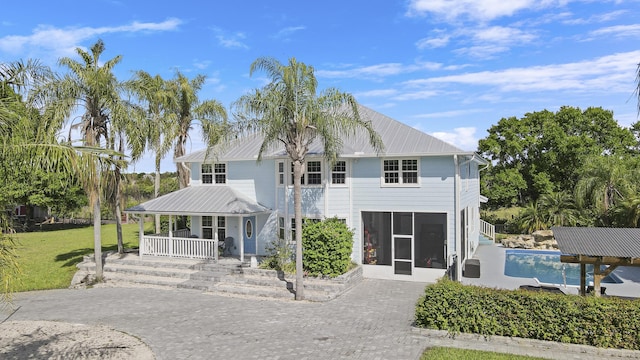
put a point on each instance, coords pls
(602, 322)
(327, 247)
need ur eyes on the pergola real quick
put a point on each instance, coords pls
(598, 246)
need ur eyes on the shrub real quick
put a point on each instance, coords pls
(280, 256)
(602, 322)
(327, 247)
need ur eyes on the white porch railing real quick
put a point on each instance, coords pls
(488, 230)
(179, 247)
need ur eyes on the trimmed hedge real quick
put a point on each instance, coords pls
(327, 247)
(601, 322)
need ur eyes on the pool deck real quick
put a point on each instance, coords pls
(492, 259)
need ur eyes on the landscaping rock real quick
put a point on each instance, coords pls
(541, 239)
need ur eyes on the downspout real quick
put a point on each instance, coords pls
(458, 226)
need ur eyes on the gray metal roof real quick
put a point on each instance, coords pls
(200, 200)
(399, 140)
(590, 241)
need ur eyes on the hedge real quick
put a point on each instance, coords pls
(601, 322)
(327, 247)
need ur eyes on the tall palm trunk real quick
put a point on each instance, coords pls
(97, 227)
(297, 206)
(156, 190)
(118, 198)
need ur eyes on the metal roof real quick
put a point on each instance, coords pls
(200, 200)
(590, 241)
(399, 140)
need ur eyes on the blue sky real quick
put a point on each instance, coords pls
(449, 68)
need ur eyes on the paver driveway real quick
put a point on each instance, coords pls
(372, 321)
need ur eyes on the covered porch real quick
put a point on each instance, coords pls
(221, 221)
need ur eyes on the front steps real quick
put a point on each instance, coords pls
(228, 276)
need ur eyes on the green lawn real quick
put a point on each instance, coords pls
(444, 353)
(48, 259)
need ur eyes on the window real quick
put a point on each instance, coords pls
(207, 227)
(399, 172)
(313, 175)
(207, 174)
(221, 173)
(222, 228)
(339, 173)
(281, 173)
(215, 172)
(281, 229)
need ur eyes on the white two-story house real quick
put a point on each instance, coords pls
(414, 209)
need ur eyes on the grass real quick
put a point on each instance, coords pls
(444, 353)
(48, 259)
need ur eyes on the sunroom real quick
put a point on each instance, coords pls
(216, 215)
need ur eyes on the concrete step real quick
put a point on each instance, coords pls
(160, 281)
(251, 290)
(136, 270)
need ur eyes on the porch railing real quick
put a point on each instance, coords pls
(179, 247)
(488, 230)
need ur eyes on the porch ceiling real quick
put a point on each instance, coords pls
(200, 200)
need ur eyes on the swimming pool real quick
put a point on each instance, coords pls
(545, 265)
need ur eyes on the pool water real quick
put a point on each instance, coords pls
(547, 268)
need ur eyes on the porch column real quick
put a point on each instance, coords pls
(583, 279)
(241, 239)
(170, 235)
(140, 235)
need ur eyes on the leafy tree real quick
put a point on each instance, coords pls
(25, 149)
(189, 110)
(546, 148)
(290, 112)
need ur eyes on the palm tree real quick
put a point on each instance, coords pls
(604, 181)
(559, 209)
(188, 109)
(532, 218)
(289, 112)
(155, 93)
(93, 89)
(28, 144)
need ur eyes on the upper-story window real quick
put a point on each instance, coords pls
(313, 175)
(214, 173)
(339, 173)
(280, 169)
(400, 172)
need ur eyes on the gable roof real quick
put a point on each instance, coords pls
(399, 140)
(200, 200)
(592, 241)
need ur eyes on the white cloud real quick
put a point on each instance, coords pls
(62, 42)
(604, 74)
(288, 31)
(377, 93)
(618, 31)
(378, 71)
(462, 137)
(433, 43)
(479, 10)
(597, 18)
(417, 95)
(449, 114)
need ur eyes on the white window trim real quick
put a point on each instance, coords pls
(278, 173)
(346, 175)
(305, 176)
(400, 183)
(213, 173)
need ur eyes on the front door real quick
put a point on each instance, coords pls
(249, 234)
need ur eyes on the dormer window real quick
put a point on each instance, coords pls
(214, 173)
